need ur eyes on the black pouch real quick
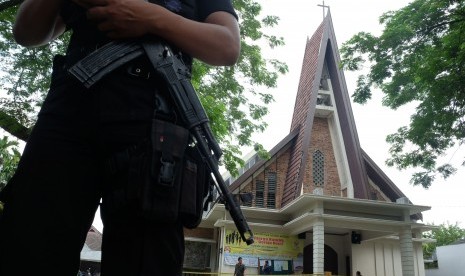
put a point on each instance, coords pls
(167, 180)
(160, 190)
(196, 182)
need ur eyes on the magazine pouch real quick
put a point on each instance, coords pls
(196, 183)
(160, 192)
(167, 180)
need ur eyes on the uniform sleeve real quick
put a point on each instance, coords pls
(207, 7)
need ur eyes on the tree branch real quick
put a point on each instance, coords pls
(431, 28)
(12, 126)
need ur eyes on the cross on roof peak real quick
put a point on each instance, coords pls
(323, 6)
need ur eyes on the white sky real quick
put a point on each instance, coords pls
(299, 19)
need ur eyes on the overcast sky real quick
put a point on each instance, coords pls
(299, 19)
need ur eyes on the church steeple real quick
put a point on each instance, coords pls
(320, 72)
(321, 156)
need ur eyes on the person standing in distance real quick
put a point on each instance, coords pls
(60, 182)
(239, 269)
(266, 268)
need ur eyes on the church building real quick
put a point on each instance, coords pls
(319, 205)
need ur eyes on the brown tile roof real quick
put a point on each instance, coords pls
(302, 110)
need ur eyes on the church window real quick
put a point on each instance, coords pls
(259, 193)
(271, 196)
(318, 168)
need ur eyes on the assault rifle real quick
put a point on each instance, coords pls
(171, 67)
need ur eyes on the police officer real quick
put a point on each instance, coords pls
(52, 198)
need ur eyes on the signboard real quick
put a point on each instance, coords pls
(266, 246)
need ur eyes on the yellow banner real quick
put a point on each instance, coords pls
(266, 245)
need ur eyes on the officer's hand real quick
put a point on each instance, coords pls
(120, 18)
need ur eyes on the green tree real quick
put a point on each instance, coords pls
(231, 96)
(419, 58)
(444, 235)
(9, 158)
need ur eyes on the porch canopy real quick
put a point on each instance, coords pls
(341, 215)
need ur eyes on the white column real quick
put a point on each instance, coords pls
(318, 246)
(406, 252)
(214, 249)
(221, 243)
(221, 253)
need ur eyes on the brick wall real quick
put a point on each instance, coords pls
(283, 163)
(278, 165)
(375, 193)
(321, 140)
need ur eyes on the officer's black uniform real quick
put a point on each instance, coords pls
(51, 200)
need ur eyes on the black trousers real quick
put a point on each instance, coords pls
(52, 198)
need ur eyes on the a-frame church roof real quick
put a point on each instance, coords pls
(321, 48)
(322, 51)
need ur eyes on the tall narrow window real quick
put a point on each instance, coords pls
(318, 168)
(246, 199)
(271, 196)
(259, 192)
